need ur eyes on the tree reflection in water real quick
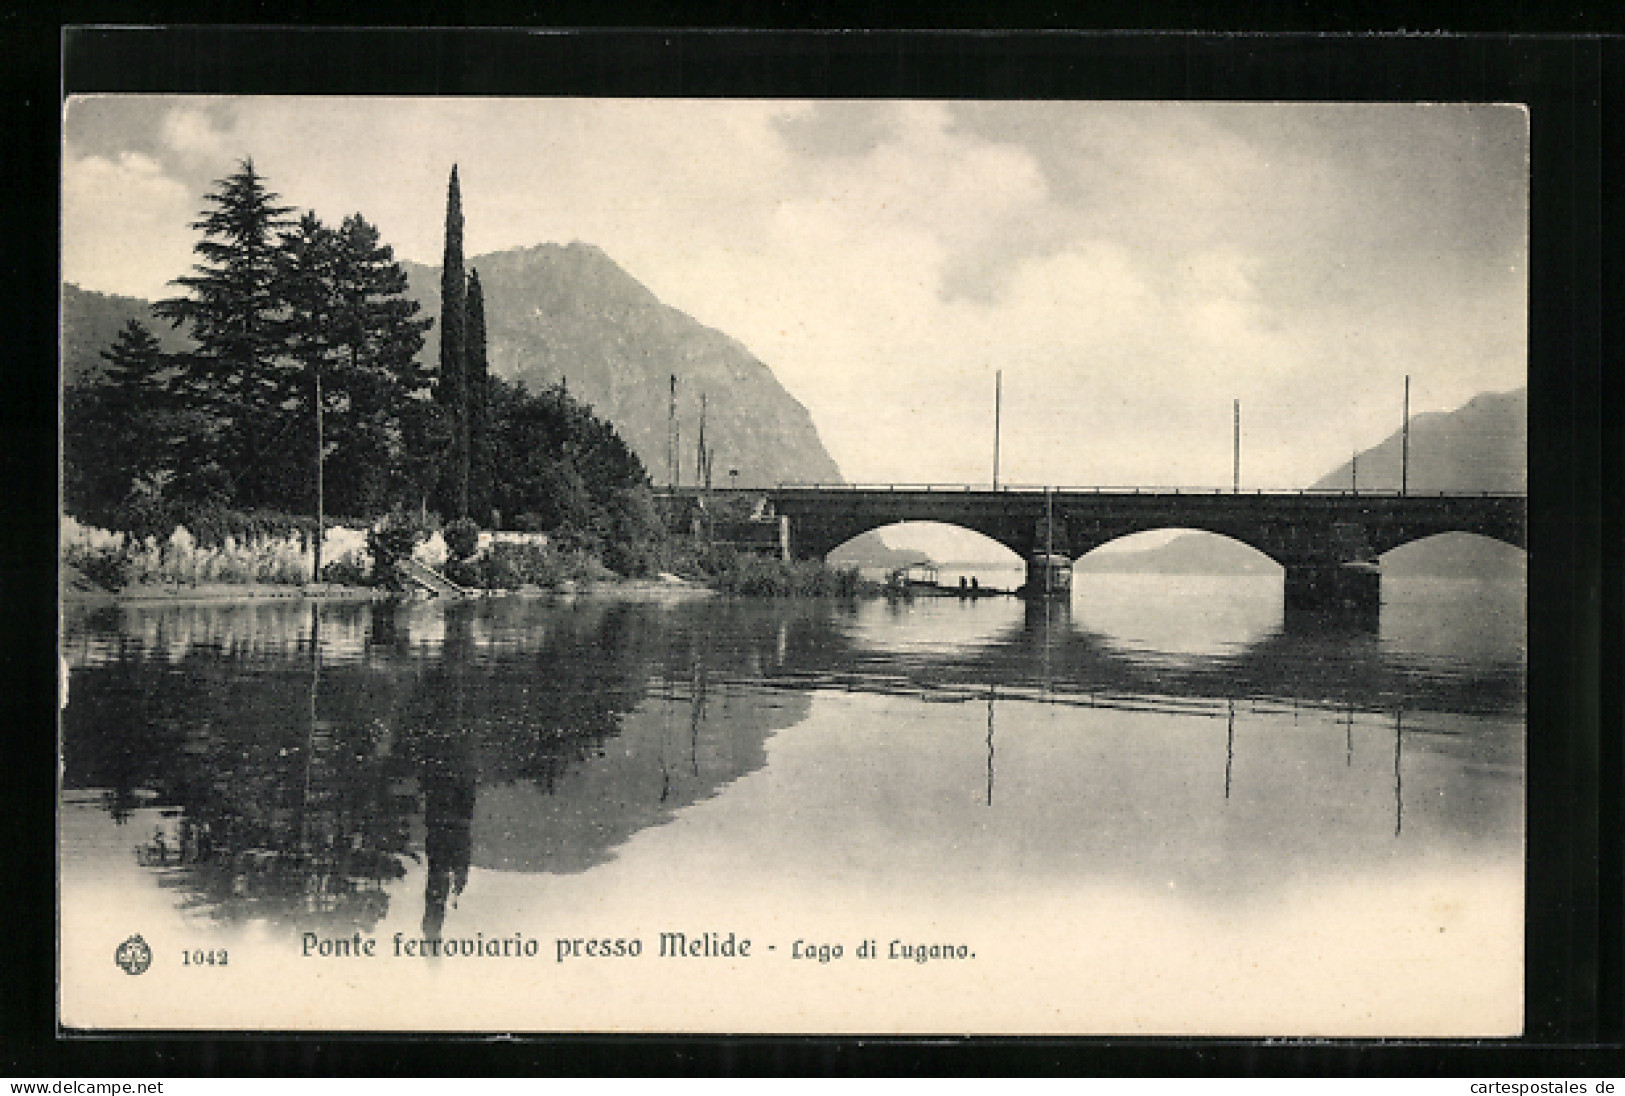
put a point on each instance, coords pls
(300, 751)
(288, 815)
(292, 785)
(440, 745)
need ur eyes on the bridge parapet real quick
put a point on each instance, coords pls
(1291, 527)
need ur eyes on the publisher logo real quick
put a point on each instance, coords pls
(133, 955)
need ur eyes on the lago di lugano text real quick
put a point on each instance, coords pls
(665, 945)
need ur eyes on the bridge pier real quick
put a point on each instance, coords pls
(1333, 586)
(1048, 576)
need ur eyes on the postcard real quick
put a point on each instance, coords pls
(720, 565)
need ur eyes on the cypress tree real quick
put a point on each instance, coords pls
(479, 457)
(452, 390)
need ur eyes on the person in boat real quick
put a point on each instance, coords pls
(974, 585)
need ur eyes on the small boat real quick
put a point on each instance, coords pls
(916, 576)
(924, 580)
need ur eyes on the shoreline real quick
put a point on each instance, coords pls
(214, 593)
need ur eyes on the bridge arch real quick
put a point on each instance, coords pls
(1085, 536)
(1401, 535)
(942, 541)
(1233, 553)
(1456, 553)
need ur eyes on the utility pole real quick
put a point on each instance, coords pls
(1235, 472)
(1405, 441)
(321, 500)
(1354, 473)
(671, 436)
(998, 409)
(699, 460)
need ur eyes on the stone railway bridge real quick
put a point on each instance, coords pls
(1314, 535)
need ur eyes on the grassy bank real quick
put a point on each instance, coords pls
(116, 561)
(746, 574)
(514, 566)
(98, 563)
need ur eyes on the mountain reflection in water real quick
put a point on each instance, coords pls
(300, 761)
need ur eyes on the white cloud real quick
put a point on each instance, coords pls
(1131, 267)
(193, 134)
(119, 218)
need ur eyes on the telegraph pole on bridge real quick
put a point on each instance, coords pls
(998, 408)
(1405, 441)
(1235, 474)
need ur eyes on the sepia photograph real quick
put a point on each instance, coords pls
(817, 566)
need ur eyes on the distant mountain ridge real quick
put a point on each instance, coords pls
(1188, 554)
(871, 550)
(1480, 446)
(91, 322)
(569, 313)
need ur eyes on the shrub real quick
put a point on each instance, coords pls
(510, 566)
(347, 570)
(145, 511)
(462, 539)
(392, 540)
(572, 538)
(109, 569)
(765, 576)
(212, 525)
(117, 560)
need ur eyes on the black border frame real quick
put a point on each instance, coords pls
(1574, 995)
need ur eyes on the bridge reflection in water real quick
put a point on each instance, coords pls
(336, 759)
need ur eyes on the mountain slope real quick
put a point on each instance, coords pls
(1187, 554)
(1480, 446)
(569, 312)
(90, 323)
(871, 550)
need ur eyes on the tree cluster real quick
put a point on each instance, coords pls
(298, 327)
(304, 394)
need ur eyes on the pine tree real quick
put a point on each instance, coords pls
(479, 458)
(230, 308)
(353, 336)
(114, 432)
(134, 363)
(379, 333)
(452, 389)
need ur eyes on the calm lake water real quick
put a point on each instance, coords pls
(1167, 806)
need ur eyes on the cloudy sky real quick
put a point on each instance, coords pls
(1131, 267)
